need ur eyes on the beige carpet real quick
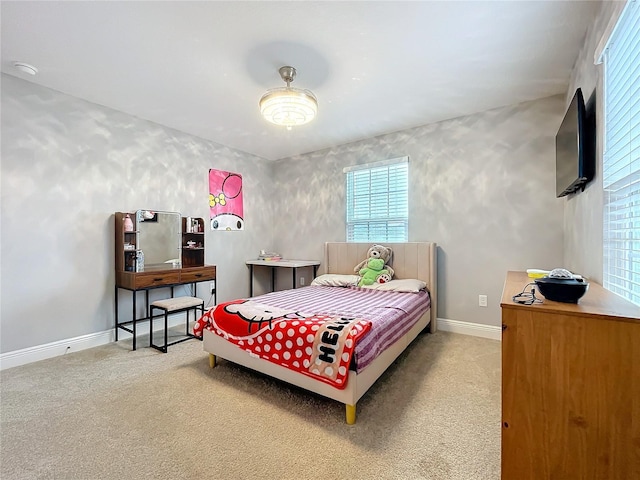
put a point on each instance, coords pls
(110, 413)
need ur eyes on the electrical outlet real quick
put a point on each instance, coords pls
(212, 287)
(302, 281)
(482, 300)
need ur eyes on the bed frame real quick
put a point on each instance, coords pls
(410, 260)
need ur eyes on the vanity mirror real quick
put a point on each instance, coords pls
(159, 238)
(172, 256)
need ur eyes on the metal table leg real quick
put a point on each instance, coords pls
(116, 299)
(134, 317)
(251, 280)
(273, 279)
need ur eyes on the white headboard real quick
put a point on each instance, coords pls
(410, 260)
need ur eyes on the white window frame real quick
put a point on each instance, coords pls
(621, 155)
(384, 216)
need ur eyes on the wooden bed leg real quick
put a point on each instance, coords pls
(351, 414)
(212, 360)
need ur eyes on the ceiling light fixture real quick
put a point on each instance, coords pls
(288, 106)
(25, 68)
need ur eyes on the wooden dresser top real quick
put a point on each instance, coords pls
(598, 301)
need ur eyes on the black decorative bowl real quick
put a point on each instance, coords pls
(567, 290)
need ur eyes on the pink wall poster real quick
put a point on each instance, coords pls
(225, 200)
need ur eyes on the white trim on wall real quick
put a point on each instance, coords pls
(380, 163)
(62, 347)
(467, 328)
(618, 8)
(54, 349)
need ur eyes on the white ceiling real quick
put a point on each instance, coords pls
(376, 67)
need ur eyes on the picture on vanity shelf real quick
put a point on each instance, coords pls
(225, 200)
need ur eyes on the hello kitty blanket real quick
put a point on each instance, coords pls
(320, 346)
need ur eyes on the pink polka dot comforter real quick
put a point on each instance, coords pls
(320, 346)
(372, 319)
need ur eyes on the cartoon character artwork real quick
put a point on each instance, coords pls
(225, 200)
(318, 345)
(256, 316)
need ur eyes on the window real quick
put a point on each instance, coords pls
(621, 161)
(377, 201)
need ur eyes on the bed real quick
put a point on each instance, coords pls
(412, 260)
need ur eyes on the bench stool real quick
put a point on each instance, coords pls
(169, 307)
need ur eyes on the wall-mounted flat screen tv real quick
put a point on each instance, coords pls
(575, 146)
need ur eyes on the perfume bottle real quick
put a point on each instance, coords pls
(130, 262)
(139, 261)
(128, 224)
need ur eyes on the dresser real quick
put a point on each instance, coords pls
(570, 386)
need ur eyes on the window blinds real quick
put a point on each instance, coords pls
(377, 202)
(621, 161)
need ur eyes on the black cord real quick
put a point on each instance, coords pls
(527, 298)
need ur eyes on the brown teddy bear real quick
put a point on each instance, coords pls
(377, 251)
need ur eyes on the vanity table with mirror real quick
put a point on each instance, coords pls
(153, 250)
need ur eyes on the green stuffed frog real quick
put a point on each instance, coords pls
(369, 274)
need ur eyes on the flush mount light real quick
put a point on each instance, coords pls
(25, 68)
(288, 106)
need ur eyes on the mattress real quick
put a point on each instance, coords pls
(392, 314)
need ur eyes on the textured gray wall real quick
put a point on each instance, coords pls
(481, 186)
(67, 166)
(583, 226)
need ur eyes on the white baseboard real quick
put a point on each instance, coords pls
(468, 328)
(62, 347)
(54, 349)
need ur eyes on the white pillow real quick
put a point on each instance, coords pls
(400, 285)
(336, 280)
